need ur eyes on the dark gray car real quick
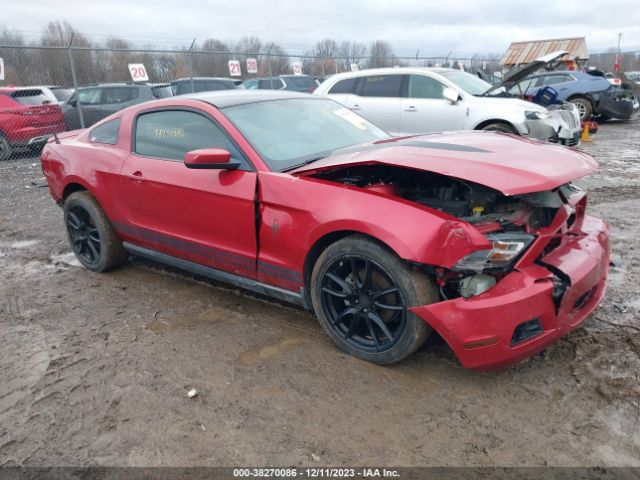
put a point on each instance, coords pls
(100, 101)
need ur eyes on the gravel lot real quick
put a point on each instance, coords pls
(96, 368)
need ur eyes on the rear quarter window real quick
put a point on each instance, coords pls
(107, 133)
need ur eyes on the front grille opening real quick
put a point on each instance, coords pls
(584, 298)
(526, 330)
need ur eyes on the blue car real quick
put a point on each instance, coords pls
(591, 94)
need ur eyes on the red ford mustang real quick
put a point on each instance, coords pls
(478, 236)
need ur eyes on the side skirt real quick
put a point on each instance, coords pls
(218, 275)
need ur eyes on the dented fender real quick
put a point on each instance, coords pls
(297, 212)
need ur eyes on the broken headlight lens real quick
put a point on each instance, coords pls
(506, 248)
(536, 115)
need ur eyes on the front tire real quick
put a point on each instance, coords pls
(91, 235)
(361, 293)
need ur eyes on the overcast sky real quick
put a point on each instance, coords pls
(434, 27)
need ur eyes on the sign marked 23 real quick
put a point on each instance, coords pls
(138, 72)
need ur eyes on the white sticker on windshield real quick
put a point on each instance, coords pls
(351, 117)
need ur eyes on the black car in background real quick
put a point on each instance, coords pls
(203, 84)
(101, 100)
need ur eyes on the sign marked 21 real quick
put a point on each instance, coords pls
(234, 68)
(138, 72)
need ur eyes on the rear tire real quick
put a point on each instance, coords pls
(5, 148)
(584, 108)
(91, 235)
(348, 286)
(499, 127)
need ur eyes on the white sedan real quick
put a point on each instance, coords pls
(411, 101)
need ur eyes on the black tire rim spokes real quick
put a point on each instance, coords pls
(363, 304)
(84, 235)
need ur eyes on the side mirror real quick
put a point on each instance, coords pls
(451, 95)
(210, 158)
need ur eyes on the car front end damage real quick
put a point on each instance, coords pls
(494, 315)
(559, 124)
(541, 273)
(615, 102)
(505, 237)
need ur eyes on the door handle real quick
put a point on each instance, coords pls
(354, 107)
(137, 176)
(411, 108)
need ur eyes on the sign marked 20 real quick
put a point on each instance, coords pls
(138, 72)
(252, 65)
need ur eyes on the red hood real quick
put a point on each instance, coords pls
(509, 164)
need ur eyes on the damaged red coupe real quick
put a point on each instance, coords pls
(480, 237)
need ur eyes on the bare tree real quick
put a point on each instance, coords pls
(380, 54)
(351, 52)
(279, 63)
(61, 34)
(211, 59)
(321, 60)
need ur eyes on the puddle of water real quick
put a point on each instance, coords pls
(24, 243)
(254, 356)
(207, 317)
(68, 258)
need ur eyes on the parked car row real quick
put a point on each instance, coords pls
(546, 106)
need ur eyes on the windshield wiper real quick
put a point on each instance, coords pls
(306, 162)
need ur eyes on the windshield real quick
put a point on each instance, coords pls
(467, 82)
(288, 133)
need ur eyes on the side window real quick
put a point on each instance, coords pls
(344, 86)
(106, 133)
(90, 96)
(119, 94)
(381, 86)
(169, 134)
(554, 79)
(421, 86)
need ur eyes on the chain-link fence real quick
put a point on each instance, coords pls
(73, 86)
(50, 89)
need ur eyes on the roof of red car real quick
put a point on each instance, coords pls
(231, 98)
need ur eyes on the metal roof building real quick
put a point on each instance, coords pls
(520, 53)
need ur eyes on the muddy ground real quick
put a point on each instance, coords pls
(96, 368)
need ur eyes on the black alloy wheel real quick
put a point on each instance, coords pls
(84, 236)
(91, 236)
(363, 304)
(362, 294)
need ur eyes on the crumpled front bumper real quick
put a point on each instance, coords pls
(480, 329)
(554, 130)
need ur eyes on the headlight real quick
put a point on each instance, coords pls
(536, 115)
(506, 248)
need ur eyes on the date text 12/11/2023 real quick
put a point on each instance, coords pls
(320, 472)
